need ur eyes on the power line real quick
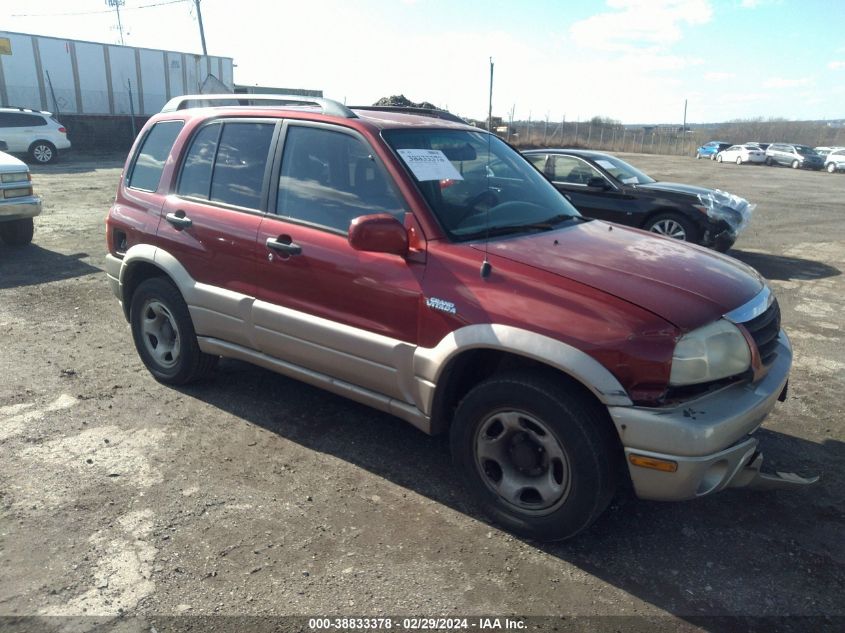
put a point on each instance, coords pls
(143, 6)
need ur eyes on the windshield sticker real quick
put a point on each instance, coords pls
(429, 164)
(630, 181)
(605, 163)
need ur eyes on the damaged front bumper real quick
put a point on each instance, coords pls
(705, 445)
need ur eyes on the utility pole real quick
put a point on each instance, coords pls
(490, 102)
(202, 31)
(117, 4)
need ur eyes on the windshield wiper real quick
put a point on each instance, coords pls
(510, 229)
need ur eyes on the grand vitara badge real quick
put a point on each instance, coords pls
(442, 305)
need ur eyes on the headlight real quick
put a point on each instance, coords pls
(709, 353)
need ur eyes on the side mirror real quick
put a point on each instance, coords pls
(378, 233)
(597, 182)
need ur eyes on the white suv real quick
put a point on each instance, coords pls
(32, 132)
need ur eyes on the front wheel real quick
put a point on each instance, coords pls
(17, 232)
(738, 160)
(831, 168)
(43, 152)
(672, 225)
(795, 164)
(769, 161)
(697, 156)
(164, 334)
(540, 458)
(718, 158)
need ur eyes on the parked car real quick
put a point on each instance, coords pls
(740, 154)
(794, 156)
(18, 203)
(605, 187)
(709, 150)
(374, 254)
(34, 133)
(835, 161)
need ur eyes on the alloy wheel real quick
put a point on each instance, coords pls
(669, 228)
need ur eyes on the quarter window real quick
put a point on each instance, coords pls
(146, 172)
(330, 178)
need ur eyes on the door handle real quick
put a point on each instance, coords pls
(179, 221)
(288, 248)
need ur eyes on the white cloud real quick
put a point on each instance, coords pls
(836, 65)
(780, 82)
(640, 23)
(749, 4)
(718, 76)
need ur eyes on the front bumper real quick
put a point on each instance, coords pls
(19, 208)
(113, 265)
(707, 438)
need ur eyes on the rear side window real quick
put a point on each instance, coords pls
(226, 163)
(19, 119)
(146, 172)
(241, 160)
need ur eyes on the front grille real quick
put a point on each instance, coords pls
(764, 329)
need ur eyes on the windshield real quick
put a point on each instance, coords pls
(477, 185)
(623, 172)
(804, 150)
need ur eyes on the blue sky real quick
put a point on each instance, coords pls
(633, 60)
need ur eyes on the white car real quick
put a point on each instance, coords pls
(18, 204)
(33, 132)
(741, 154)
(835, 160)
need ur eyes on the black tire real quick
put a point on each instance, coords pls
(665, 223)
(17, 232)
(581, 459)
(43, 152)
(795, 164)
(161, 325)
(697, 156)
(769, 161)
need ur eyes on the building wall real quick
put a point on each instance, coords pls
(96, 79)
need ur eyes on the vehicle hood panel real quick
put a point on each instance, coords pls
(686, 285)
(676, 188)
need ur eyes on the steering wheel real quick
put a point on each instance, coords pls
(488, 197)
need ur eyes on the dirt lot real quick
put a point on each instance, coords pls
(255, 494)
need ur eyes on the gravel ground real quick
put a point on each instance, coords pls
(253, 494)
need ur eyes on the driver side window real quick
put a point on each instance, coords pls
(571, 170)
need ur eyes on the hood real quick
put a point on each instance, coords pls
(675, 187)
(10, 163)
(686, 285)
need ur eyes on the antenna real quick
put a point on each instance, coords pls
(486, 268)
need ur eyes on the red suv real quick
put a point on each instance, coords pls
(423, 267)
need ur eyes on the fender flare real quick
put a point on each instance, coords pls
(430, 363)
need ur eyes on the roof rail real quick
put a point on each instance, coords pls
(437, 114)
(328, 106)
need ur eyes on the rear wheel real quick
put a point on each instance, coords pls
(738, 160)
(718, 158)
(43, 152)
(831, 168)
(672, 225)
(697, 156)
(17, 232)
(164, 334)
(769, 161)
(540, 459)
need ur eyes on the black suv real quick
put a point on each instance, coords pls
(607, 188)
(794, 156)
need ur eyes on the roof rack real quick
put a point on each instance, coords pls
(437, 114)
(328, 106)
